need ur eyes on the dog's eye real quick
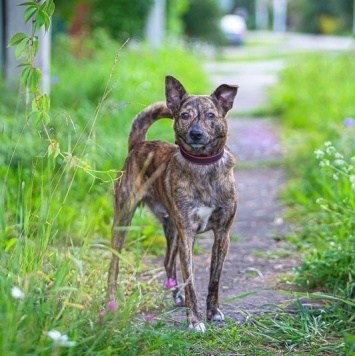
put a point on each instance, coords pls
(211, 115)
(185, 115)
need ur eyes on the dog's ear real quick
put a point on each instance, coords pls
(225, 95)
(174, 92)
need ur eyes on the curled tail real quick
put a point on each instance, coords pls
(144, 120)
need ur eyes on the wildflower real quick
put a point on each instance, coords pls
(352, 181)
(329, 150)
(17, 293)
(349, 121)
(123, 105)
(319, 153)
(339, 162)
(59, 339)
(170, 284)
(323, 163)
(335, 176)
(111, 308)
(328, 143)
(149, 318)
(338, 155)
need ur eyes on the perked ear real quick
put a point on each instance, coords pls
(174, 92)
(225, 95)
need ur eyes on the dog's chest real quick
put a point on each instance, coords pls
(202, 216)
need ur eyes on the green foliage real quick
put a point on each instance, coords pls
(318, 16)
(120, 19)
(202, 21)
(315, 100)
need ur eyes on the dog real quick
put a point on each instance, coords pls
(189, 186)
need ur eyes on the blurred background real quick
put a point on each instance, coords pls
(103, 61)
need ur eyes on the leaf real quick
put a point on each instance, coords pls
(41, 103)
(25, 74)
(54, 149)
(46, 118)
(30, 12)
(47, 22)
(16, 39)
(28, 3)
(11, 243)
(38, 117)
(35, 79)
(41, 19)
(25, 64)
(35, 45)
(46, 103)
(50, 8)
(22, 50)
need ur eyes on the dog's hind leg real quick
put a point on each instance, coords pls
(125, 204)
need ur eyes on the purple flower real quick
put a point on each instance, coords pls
(149, 318)
(111, 308)
(123, 105)
(170, 284)
(102, 316)
(349, 122)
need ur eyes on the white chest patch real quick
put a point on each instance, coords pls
(204, 213)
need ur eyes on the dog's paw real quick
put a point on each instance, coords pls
(179, 301)
(216, 315)
(200, 327)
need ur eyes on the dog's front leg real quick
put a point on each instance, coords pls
(219, 251)
(193, 311)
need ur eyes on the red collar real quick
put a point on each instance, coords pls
(200, 159)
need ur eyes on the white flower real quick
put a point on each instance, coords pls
(17, 293)
(335, 176)
(319, 153)
(329, 150)
(328, 143)
(323, 163)
(59, 339)
(352, 181)
(339, 162)
(339, 155)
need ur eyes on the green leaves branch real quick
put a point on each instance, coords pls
(26, 48)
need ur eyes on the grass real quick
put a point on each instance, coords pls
(321, 147)
(55, 217)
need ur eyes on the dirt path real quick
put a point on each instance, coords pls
(257, 253)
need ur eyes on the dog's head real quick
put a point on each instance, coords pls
(199, 120)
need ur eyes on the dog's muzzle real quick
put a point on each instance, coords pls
(196, 137)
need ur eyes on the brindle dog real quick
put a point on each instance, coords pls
(189, 186)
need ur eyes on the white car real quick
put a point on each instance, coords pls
(234, 28)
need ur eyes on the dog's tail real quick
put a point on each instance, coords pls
(144, 120)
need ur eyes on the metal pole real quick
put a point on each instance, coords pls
(280, 15)
(262, 15)
(155, 27)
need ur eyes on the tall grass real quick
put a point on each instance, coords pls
(315, 100)
(55, 209)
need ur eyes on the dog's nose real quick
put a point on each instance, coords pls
(196, 133)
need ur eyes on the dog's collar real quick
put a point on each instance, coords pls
(202, 160)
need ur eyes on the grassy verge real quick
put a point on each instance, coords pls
(316, 104)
